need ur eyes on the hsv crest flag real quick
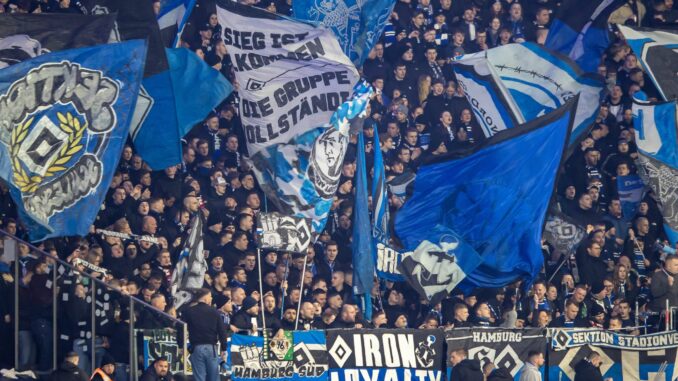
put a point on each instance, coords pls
(657, 162)
(283, 233)
(58, 151)
(358, 24)
(580, 31)
(481, 196)
(657, 51)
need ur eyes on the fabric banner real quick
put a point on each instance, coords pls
(276, 231)
(540, 81)
(381, 355)
(481, 197)
(506, 348)
(299, 356)
(657, 52)
(25, 36)
(563, 233)
(624, 357)
(302, 175)
(358, 24)
(630, 189)
(291, 83)
(59, 151)
(292, 75)
(580, 31)
(189, 272)
(493, 106)
(162, 343)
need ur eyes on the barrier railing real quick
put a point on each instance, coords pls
(98, 294)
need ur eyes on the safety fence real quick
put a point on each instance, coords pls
(424, 355)
(64, 306)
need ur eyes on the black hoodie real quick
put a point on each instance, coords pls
(467, 370)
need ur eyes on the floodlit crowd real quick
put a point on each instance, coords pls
(620, 276)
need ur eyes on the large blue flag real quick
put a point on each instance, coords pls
(358, 24)
(657, 162)
(361, 245)
(580, 31)
(630, 189)
(538, 82)
(495, 199)
(172, 19)
(58, 151)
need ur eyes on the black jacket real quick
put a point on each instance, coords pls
(585, 371)
(68, 372)
(500, 374)
(467, 370)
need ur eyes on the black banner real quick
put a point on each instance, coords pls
(506, 348)
(25, 36)
(400, 354)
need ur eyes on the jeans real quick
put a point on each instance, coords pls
(205, 362)
(26, 350)
(81, 347)
(42, 334)
(121, 372)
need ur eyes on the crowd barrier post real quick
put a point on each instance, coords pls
(132, 343)
(16, 305)
(55, 290)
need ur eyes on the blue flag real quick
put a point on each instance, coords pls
(172, 19)
(538, 82)
(58, 152)
(356, 23)
(657, 162)
(386, 258)
(361, 245)
(580, 31)
(495, 199)
(191, 76)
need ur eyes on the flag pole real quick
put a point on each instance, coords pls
(284, 289)
(301, 292)
(261, 292)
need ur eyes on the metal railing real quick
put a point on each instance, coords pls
(95, 284)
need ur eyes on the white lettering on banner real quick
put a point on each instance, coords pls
(387, 375)
(493, 337)
(397, 350)
(289, 82)
(387, 259)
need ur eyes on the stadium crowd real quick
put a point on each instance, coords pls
(619, 269)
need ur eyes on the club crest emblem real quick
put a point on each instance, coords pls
(55, 139)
